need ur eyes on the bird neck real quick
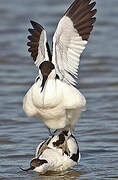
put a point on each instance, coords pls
(52, 75)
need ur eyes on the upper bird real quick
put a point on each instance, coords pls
(54, 97)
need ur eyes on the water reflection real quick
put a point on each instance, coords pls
(67, 175)
(59, 178)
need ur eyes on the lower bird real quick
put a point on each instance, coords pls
(54, 98)
(58, 153)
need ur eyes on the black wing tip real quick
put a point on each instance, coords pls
(36, 25)
(29, 37)
(79, 17)
(30, 30)
(95, 10)
(79, 2)
(28, 43)
(94, 18)
(33, 23)
(94, 3)
(34, 38)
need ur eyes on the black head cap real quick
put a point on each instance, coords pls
(46, 67)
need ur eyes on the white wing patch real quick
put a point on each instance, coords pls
(42, 49)
(67, 48)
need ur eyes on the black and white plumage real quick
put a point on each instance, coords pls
(58, 153)
(54, 100)
(39, 46)
(69, 40)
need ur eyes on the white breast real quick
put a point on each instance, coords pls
(58, 105)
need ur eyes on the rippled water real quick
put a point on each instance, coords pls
(97, 130)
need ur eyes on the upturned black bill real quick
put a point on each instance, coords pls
(31, 168)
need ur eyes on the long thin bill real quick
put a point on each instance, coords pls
(31, 168)
(43, 82)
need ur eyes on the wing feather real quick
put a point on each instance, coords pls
(70, 39)
(38, 45)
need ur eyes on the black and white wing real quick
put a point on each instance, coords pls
(70, 38)
(39, 47)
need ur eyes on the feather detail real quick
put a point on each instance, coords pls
(70, 39)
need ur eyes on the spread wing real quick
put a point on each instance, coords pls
(70, 38)
(39, 47)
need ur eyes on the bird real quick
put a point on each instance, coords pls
(57, 153)
(54, 97)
